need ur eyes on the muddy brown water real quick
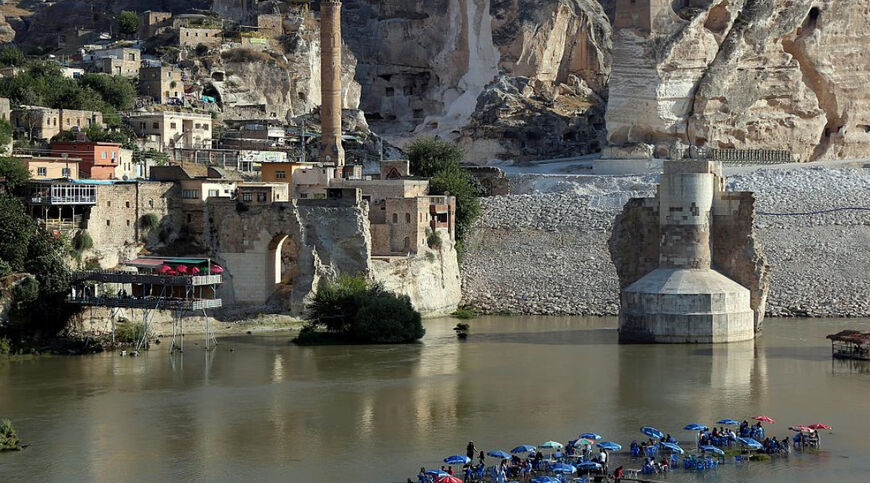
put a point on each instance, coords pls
(270, 411)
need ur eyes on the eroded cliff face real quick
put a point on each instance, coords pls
(433, 68)
(430, 279)
(745, 74)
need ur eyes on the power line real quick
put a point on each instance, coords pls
(817, 212)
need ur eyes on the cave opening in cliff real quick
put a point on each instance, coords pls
(212, 91)
(813, 17)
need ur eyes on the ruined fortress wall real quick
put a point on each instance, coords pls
(328, 240)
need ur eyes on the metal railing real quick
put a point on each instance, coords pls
(160, 303)
(115, 276)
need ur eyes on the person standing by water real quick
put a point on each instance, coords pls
(501, 474)
(470, 450)
(482, 458)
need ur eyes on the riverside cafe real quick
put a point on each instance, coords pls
(172, 267)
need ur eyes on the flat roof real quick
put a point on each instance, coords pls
(158, 261)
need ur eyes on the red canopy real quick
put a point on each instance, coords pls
(193, 271)
(217, 269)
(181, 268)
(163, 269)
(820, 426)
(764, 419)
(800, 429)
(447, 479)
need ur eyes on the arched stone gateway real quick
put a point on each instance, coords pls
(285, 248)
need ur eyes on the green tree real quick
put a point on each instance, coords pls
(427, 156)
(335, 302)
(13, 175)
(10, 56)
(119, 92)
(459, 183)
(128, 22)
(16, 231)
(5, 135)
(352, 307)
(386, 318)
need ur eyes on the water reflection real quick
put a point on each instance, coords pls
(272, 411)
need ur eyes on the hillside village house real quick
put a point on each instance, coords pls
(98, 160)
(51, 167)
(152, 23)
(191, 37)
(121, 61)
(170, 129)
(38, 122)
(161, 83)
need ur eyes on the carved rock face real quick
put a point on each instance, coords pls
(746, 74)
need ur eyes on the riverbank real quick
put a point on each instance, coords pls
(228, 321)
(545, 251)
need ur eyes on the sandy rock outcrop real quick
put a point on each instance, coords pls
(744, 74)
(430, 279)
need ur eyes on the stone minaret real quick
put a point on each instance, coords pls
(331, 150)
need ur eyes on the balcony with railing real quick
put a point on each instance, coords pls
(62, 194)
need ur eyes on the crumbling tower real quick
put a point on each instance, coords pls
(678, 256)
(331, 150)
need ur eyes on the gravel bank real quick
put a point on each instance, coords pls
(546, 252)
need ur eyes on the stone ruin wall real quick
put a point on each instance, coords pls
(325, 238)
(736, 249)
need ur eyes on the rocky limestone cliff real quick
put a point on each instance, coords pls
(430, 279)
(426, 66)
(744, 74)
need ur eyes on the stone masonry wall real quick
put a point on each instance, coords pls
(114, 222)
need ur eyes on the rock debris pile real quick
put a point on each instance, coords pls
(546, 252)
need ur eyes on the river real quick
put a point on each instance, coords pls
(269, 411)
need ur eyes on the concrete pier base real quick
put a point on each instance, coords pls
(678, 305)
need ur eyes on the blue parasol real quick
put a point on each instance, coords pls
(696, 427)
(499, 454)
(712, 449)
(749, 443)
(457, 459)
(672, 447)
(609, 446)
(729, 422)
(436, 473)
(652, 432)
(590, 436)
(545, 479)
(588, 465)
(563, 468)
(523, 448)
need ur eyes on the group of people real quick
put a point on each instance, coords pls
(721, 437)
(517, 468)
(653, 466)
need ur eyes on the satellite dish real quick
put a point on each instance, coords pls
(125, 177)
